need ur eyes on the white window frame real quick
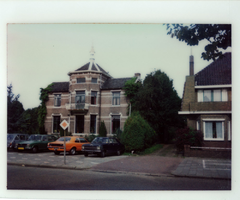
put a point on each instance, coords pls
(213, 120)
(224, 95)
(229, 131)
(119, 98)
(56, 97)
(81, 82)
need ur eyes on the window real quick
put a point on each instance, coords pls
(93, 98)
(82, 140)
(93, 124)
(94, 80)
(56, 124)
(115, 123)
(57, 100)
(212, 95)
(80, 99)
(214, 130)
(116, 98)
(229, 131)
(81, 80)
(79, 124)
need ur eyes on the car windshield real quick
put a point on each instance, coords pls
(100, 140)
(66, 139)
(35, 137)
(10, 137)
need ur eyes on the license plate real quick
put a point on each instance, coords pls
(21, 148)
(55, 148)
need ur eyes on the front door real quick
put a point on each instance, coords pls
(79, 128)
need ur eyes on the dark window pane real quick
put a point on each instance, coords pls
(94, 80)
(115, 123)
(56, 124)
(93, 124)
(80, 80)
(57, 100)
(94, 98)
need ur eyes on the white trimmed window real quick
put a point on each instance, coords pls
(81, 80)
(229, 131)
(116, 98)
(57, 100)
(217, 95)
(213, 129)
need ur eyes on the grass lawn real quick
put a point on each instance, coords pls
(146, 151)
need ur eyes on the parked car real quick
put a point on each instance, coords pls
(73, 144)
(14, 138)
(103, 146)
(36, 143)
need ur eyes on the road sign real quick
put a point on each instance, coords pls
(64, 124)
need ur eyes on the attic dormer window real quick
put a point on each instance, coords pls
(81, 80)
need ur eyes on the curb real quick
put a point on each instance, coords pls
(49, 166)
(204, 177)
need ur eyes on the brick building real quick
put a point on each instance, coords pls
(207, 101)
(90, 96)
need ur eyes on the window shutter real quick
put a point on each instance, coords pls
(200, 96)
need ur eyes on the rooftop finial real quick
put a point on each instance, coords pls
(92, 52)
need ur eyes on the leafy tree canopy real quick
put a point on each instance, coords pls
(14, 110)
(218, 36)
(159, 103)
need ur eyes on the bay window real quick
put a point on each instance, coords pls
(213, 130)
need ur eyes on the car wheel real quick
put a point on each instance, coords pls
(118, 152)
(35, 149)
(86, 154)
(73, 151)
(102, 154)
(56, 152)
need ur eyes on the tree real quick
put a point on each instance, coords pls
(102, 130)
(14, 110)
(138, 134)
(131, 88)
(27, 122)
(218, 36)
(159, 103)
(42, 111)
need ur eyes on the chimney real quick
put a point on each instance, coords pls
(191, 66)
(138, 75)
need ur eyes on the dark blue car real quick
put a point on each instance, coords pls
(103, 146)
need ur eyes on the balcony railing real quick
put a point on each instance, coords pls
(77, 106)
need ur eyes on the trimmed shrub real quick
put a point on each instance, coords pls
(118, 134)
(90, 138)
(102, 130)
(137, 134)
(188, 136)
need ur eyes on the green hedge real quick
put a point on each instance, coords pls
(137, 134)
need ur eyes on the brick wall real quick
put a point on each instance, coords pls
(207, 153)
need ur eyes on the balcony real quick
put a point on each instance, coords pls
(77, 107)
(211, 106)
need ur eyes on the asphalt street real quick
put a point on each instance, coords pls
(32, 178)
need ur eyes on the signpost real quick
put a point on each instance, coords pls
(64, 124)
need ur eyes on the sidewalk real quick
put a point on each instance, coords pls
(204, 168)
(157, 164)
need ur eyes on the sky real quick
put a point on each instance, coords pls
(41, 41)
(39, 54)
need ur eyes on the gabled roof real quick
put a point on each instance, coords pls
(218, 72)
(60, 87)
(115, 83)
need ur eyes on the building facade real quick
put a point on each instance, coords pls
(207, 102)
(90, 96)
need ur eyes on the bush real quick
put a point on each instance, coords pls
(137, 134)
(102, 130)
(118, 134)
(90, 138)
(188, 136)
